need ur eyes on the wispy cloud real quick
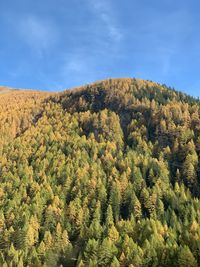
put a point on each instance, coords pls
(178, 28)
(76, 64)
(161, 39)
(39, 34)
(104, 11)
(77, 67)
(87, 62)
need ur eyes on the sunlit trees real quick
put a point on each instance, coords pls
(104, 175)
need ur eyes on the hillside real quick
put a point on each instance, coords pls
(18, 110)
(102, 175)
(5, 89)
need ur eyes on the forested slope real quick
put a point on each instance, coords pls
(102, 175)
(18, 110)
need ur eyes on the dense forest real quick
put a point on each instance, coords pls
(102, 175)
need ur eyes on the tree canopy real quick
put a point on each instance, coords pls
(103, 175)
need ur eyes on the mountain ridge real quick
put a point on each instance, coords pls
(141, 83)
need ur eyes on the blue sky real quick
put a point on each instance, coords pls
(58, 44)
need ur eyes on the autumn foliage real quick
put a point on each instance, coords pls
(102, 175)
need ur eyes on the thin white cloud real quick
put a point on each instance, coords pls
(85, 62)
(104, 11)
(113, 30)
(78, 67)
(37, 33)
(163, 59)
(165, 63)
(76, 64)
(161, 38)
(178, 27)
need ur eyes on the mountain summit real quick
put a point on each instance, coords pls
(106, 174)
